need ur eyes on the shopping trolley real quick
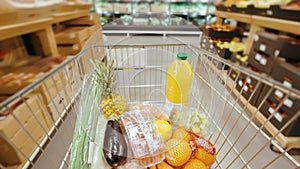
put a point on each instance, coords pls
(38, 122)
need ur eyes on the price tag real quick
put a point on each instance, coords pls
(258, 57)
(256, 38)
(262, 47)
(271, 110)
(240, 83)
(287, 84)
(276, 53)
(263, 61)
(75, 47)
(278, 117)
(269, 12)
(289, 103)
(279, 94)
(248, 80)
(245, 88)
(72, 35)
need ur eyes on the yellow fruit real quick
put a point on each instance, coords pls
(112, 104)
(178, 152)
(153, 167)
(207, 158)
(194, 164)
(163, 165)
(182, 134)
(164, 128)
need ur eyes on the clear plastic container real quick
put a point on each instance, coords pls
(145, 144)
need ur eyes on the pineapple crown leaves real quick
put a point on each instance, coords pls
(105, 76)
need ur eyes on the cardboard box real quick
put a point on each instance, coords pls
(248, 87)
(280, 115)
(287, 72)
(277, 45)
(261, 61)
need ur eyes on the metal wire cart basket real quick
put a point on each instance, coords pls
(246, 127)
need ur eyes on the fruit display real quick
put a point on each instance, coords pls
(221, 31)
(232, 46)
(113, 104)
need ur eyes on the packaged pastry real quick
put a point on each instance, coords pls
(145, 143)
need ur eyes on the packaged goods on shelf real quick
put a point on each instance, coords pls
(280, 113)
(287, 73)
(261, 61)
(221, 31)
(250, 88)
(239, 59)
(277, 45)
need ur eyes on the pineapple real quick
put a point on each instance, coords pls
(112, 104)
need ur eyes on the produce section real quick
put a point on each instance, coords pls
(268, 35)
(197, 12)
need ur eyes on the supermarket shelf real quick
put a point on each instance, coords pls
(59, 17)
(149, 31)
(278, 24)
(236, 16)
(266, 22)
(284, 141)
(13, 30)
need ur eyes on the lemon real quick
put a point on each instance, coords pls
(164, 128)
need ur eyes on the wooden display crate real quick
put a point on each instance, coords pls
(89, 20)
(34, 118)
(71, 49)
(75, 7)
(28, 14)
(72, 35)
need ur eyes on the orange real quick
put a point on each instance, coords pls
(163, 165)
(194, 164)
(152, 167)
(182, 134)
(207, 158)
(178, 152)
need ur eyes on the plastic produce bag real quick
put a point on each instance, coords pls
(86, 125)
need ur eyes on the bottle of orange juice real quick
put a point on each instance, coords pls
(179, 82)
